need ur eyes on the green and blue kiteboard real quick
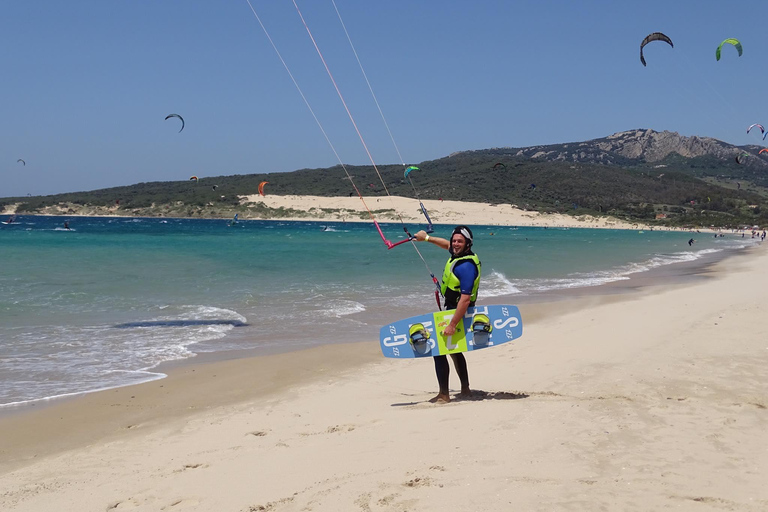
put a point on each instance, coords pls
(422, 336)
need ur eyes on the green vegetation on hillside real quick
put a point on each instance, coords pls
(697, 191)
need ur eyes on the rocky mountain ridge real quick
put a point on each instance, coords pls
(634, 147)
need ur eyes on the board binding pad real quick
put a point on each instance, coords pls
(422, 335)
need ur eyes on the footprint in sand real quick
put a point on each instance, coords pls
(127, 504)
(340, 428)
(191, 466)
(180, 504)
(364, 502)
(333, 429)
(269, 506)
(388, 499)
(419, 482)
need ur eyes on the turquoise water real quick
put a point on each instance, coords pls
(102, 304)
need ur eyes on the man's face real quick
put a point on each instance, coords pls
(458, 243)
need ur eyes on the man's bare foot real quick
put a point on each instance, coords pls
(465, 393)
(441, 399)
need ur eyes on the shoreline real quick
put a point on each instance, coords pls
(387, 210)
(650, 399)
(548, 304)
(191, 386)
(678, 272)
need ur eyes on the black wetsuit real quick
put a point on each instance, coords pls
(442, 368)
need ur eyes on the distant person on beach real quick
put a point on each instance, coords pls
(690, 242)
(461, 280)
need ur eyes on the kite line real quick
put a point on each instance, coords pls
(407, 172)
(388, 243)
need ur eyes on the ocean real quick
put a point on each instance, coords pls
(100, 305)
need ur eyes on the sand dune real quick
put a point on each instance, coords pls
(392, 209)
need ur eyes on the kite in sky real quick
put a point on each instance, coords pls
(180, 118)
(730, 40)
(657, 36)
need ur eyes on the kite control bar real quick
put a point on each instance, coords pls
(390, 245)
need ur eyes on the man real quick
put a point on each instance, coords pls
(461, 280)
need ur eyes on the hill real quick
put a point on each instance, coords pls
(637, 175)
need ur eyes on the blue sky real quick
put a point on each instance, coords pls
(87, 84)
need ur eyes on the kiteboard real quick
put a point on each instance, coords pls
(422, 335)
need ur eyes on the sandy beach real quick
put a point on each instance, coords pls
(352, 209)
(394, 208)
(651, 400)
